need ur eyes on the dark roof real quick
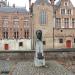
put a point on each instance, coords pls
(13, 9)
(58, 3)
(38, 1)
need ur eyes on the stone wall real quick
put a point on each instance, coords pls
(15, 45)
(29, 55)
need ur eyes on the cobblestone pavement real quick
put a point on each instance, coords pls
(22, 64)
(51, 68)
(27, 68)
(69, 65)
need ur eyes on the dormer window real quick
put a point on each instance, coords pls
(65, 3)
(62, 11)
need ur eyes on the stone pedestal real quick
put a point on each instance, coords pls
(39, 62)
(39, 59)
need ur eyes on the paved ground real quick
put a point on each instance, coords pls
(69, 65)
(28, 68)
(22, 64)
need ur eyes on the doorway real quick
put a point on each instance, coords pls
(68, 44)
(6, 46)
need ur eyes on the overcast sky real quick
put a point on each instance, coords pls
(24, 3)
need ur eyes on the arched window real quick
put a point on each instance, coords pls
(43, 17)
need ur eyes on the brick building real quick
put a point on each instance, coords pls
(14, 22)
(64, 30)
(56, 21)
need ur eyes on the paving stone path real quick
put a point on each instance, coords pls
(51, 68)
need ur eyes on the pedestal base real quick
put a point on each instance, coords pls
(39, 62)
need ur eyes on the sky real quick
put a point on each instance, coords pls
(23, 3)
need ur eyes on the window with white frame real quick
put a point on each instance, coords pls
(58, 23)
(73, 22)
(66, 22)
(5, 21)
(63, 11)
(16, 22)
(69, 11)
(16, 34)
(26, 33)
(5, 33)
(26, 22)
(43, 17)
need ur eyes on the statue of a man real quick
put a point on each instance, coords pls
(39, 49)
(39, 45)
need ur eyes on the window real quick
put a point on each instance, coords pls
(43, 18)
(5, 72)
(26, 34)
(61, 30)
(69, 11)
(60, 40)
(65, 3)
(26, 22)
(5, 35)
(16, 22)
(26, 18)
(20, 43)
(66, 22)
(16, 35)
(63, 11)
(44, 42)
(58, 23)
(5, 21)
(6, 46)
(74, 40)
(73, 22)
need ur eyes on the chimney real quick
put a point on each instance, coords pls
(52, 2)
(13, 5)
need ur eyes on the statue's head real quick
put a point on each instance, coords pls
(39, 35)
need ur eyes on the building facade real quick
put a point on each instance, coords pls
(14, 25)
(43, 20)
(64, 30)
(56, 21)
